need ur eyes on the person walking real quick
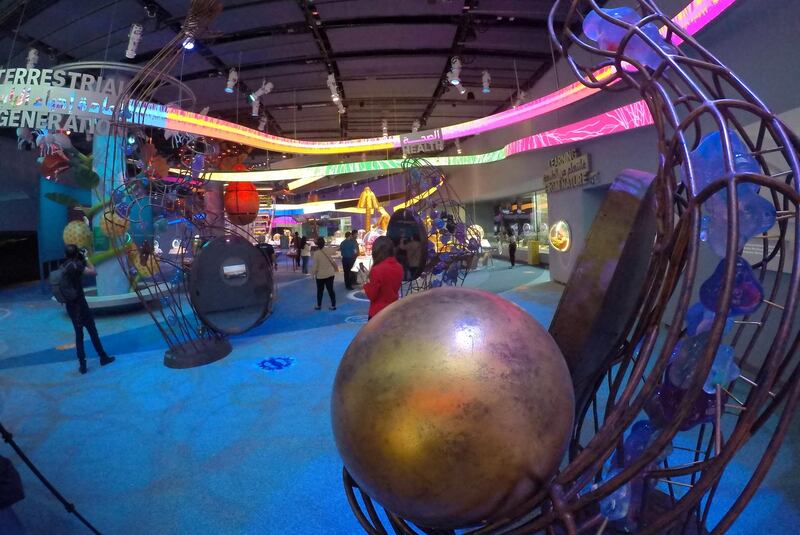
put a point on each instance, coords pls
(294, 251)
(512, 250)
(74, 268)
(323, 268)
(305, 253)
(385, 277)
(349, 250)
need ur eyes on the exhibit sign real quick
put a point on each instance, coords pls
(59, 99)
(568, 170)
(422, 142)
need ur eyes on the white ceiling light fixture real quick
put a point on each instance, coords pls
(33, 58)
(188, 43)
(233, 79)
(520, 98)
(265, 89)
(255, 108)
(454, 76)
(341, 107)
(486, 78)
(385, 127)
(134, 38)
(415, 126)
(333, 87)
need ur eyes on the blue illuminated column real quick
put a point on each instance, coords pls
(109, 163)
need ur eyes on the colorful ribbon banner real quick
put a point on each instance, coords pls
(692, 18)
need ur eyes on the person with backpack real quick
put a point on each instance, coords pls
(71, 289)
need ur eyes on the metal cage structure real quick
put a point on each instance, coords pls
(451, 249)
(141, 193)
(722, 154)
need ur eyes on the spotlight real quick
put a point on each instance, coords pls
(205, 110)
(264, 90)
(454, 76)
(255, 106)
(262, 124)
(233, 79)
(131, 139)
(415, 126)
(385, 127)
(520, 99)
(134, 37)
(458, 146)
(461, 89)
(33, 58)
(188, 43)
(334, 88)
(487, 80)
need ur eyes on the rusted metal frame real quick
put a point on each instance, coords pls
(139, 89)
(742, 431)
(782, 393)
(349, 485)
(764, 464)
(628, 411)
(643, 459)
(561, 510)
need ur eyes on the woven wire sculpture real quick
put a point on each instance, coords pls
(451, 247)
(709, 376)
(148, 195)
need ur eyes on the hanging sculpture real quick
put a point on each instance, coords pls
(708, 353)
(191, 267)
(368, 202)
(448, 248)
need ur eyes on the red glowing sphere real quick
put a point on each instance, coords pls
(241, 203)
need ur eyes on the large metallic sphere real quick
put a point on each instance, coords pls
(452, 407)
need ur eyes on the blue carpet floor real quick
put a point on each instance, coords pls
(227, 448)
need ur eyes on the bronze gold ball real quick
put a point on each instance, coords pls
(452, 407)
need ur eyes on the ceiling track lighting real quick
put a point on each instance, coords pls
(255, 108)
(188, 43)
(486, 78)
(134, 38)
(233, 79)
(415, 126)
(385, 127)
(33, 58)
(458, 146)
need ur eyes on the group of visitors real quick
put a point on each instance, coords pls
(382, 286)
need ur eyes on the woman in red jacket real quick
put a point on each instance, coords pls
(385, 277)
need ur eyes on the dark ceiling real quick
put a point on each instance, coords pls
(390, 57)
